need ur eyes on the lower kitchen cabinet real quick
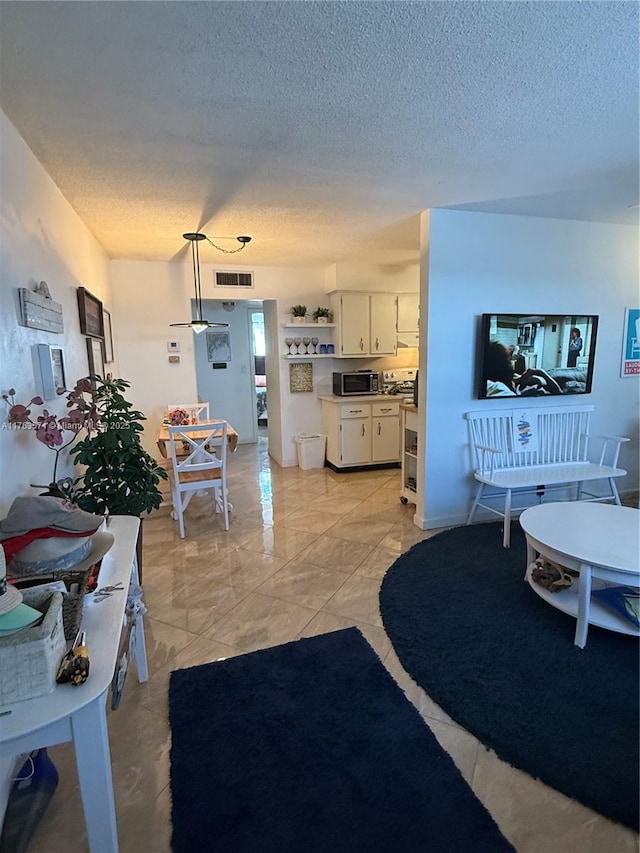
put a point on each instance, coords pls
(360, 432)
(385, 432)
(354, 440)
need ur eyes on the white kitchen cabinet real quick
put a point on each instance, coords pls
(408, 320)
(360, 432)
(365, 322)
(355, 440)
(383, 320)
(385, 432)
(352, 313)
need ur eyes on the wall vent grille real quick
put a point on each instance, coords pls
(233, 279)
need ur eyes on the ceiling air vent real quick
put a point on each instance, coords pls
(233, 279)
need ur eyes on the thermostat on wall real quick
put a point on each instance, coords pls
(173, 346)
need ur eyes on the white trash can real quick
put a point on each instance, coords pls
(310, 450)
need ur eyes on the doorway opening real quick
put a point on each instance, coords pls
(258, 345)
(234, 381)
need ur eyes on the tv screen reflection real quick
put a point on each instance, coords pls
(534, 355)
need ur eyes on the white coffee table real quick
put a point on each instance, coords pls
(600, 541)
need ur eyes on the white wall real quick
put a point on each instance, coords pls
(41, 238)
(150, 295)
(486, 263)
(385, 278)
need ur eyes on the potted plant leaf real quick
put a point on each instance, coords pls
(322, 315)
(299, 312)
(120, 477)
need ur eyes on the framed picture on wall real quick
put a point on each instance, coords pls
(108, 336)
(90, 312)
(51, 363)
(95, 357)
(631, 343)
(300, 377)
(219, 346)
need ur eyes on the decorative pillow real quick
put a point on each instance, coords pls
(625, 600)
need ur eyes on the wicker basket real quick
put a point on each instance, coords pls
(72, 602)
(29, 658)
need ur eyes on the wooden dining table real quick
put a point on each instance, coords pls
(162, 439)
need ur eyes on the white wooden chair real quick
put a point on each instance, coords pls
(198, 412)
(198, 456)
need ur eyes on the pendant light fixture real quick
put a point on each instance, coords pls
(199, 324)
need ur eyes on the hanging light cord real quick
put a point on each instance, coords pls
(195, 257)
(226, 251)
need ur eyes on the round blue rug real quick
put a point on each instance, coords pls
(502, 663)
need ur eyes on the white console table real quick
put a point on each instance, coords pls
(79, 713)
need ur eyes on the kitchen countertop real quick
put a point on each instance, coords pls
(408, 407)
(360, 398)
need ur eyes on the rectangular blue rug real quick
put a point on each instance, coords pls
(312, 746)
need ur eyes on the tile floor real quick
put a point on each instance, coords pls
(306, 554)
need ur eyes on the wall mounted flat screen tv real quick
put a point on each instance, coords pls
(536, 355)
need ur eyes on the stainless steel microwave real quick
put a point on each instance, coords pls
(358, 382)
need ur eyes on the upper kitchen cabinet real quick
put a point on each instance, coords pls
(365, 322)
(408, 319)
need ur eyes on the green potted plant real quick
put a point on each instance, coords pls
(322, 315)
(120, 477)
(299, 312)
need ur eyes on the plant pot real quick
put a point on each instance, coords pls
(298, 320)
(322, 321)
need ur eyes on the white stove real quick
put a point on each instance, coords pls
(399, 382)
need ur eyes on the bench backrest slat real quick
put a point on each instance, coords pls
(560, 436)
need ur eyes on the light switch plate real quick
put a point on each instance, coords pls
(173, 346)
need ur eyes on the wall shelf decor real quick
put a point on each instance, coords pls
(40, 312)
(308, 325)
(90, 312)
(309, 355)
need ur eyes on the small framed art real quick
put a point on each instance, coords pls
(108, 336)
(219, 347)
(300, 377)
(90, 312)
(631, 343)
(95, 357)
(51, 363)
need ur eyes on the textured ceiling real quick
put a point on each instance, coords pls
(320, 127)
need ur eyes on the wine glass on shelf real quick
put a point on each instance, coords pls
(297, 342)
(288, 342)
(306, 342)
(314, 343)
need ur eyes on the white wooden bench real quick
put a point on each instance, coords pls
(531, 450)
